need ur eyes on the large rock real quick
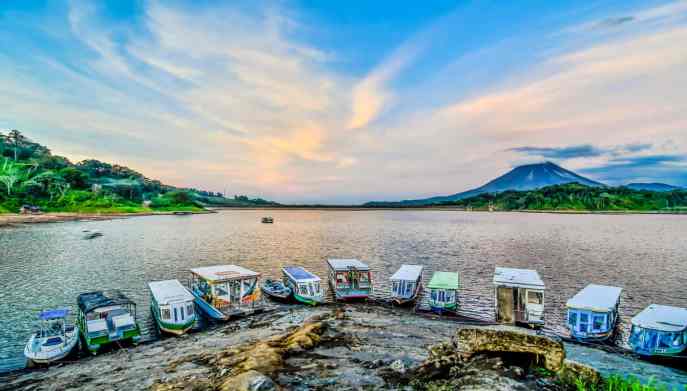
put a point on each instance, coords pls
(248, 381)
(469, 341)
(573, 371)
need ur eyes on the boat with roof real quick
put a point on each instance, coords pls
(406, 284)
(105, 318)
(226, 291)
(443, 292)
(172, 306)
(349, 279)
(659, 331)
(519, 296)
(593, 312)
(304, 285)
(55, 338)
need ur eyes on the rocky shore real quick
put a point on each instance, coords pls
(15, 219)
(337, 347)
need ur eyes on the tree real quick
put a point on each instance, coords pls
(16, 139)
(9, 175)
(75, 178)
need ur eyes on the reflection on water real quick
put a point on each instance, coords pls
(46, 266)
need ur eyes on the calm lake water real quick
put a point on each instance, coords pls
(46, 266)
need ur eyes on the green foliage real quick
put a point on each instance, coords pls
(576, 197)
(619, 383)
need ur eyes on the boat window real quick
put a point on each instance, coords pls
(395, 287)
(175, 315)
(166, 314)
(249, 286)
(364, 277)
(181, 312)
(409, 288)
(317, 288)
(434, 295)
(189, 309)
(534, 297)
(572, 318)
(220, 290)
(598, 322)
(635, 334)
(341, 279)
(668, 340)
(442, 296)
(311, 289)
(584, 322)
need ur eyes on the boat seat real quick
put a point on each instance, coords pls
(52, 341)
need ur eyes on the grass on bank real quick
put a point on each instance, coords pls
(619, 383)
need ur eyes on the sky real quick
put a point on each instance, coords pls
(346, 102)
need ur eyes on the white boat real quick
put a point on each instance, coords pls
(406, 284)
(349, 279)
(519, 296)
(172, 306)
(304, 285)
(55, 339)
(593, 312)
(659, 330)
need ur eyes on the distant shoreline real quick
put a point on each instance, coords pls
(449, 208)
(8, 220)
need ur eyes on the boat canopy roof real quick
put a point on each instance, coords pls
(444, 280)
(54, 314)
(346, 264)
(221, 273)
(169, 291)
(662, 318)
(598, 298)
(518, 278)
(92, 300)
(408, 273)
(297, 273)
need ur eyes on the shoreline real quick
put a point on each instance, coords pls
(345, 208)
(9, 220)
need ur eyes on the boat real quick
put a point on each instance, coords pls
(93, 235)
(659, 331)
(55, 339)
(172, 306)
(443, 289)
(276, 290)
(593, 312)
(349, 279)
(267, 220)
(406, 284)
(519, 296)
(106, 318)
(304, 285)
(225, 291)
(182, 213)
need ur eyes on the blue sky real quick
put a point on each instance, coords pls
(318, 101)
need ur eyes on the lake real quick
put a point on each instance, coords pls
(47, 265)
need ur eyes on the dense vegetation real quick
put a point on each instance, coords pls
(31, 175)
(578, 197)
(618, 383)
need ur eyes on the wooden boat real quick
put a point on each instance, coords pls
(659, 331)
(267, 220)
(224, 291)
(519, 296)
(406, 284)
(443, 288)
(55, 339)
(172, 306)
(276, 290)
(304, 285)
(106, 318)
(593, 312)
(349, 279)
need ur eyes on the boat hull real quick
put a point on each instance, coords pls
(172, 328)
(591, 337)
(53, 355)
(451, 308)
(309, 300)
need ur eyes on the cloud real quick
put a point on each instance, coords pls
(648, 168)
(570, 152)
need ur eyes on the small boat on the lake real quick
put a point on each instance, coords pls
(106, 318)
(267, 220)
(349, 279)
(304, 285)
(182, 213)
(276, 290)
(172, 306)
(519, 296)
(443, 289)
(593, 312)
(54, 340)
(659, 330)
(406, 284)
(93, 235)
(224, 291)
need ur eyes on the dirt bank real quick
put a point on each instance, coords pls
(12, 219)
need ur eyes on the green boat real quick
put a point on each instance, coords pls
(172, 306)
(304, 285)
(443, 289)
(106, 318)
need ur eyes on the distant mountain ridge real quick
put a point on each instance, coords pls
(652, 186)
(522, 178)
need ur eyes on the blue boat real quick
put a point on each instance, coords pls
(659, 330)
(304, 285)
(593, 312)
(225, 291)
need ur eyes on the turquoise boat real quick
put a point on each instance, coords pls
(172, 306)
(443, 288)
(659, 330)
(349, 279)
(106, 318)
(593, 312)
(304, 285)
